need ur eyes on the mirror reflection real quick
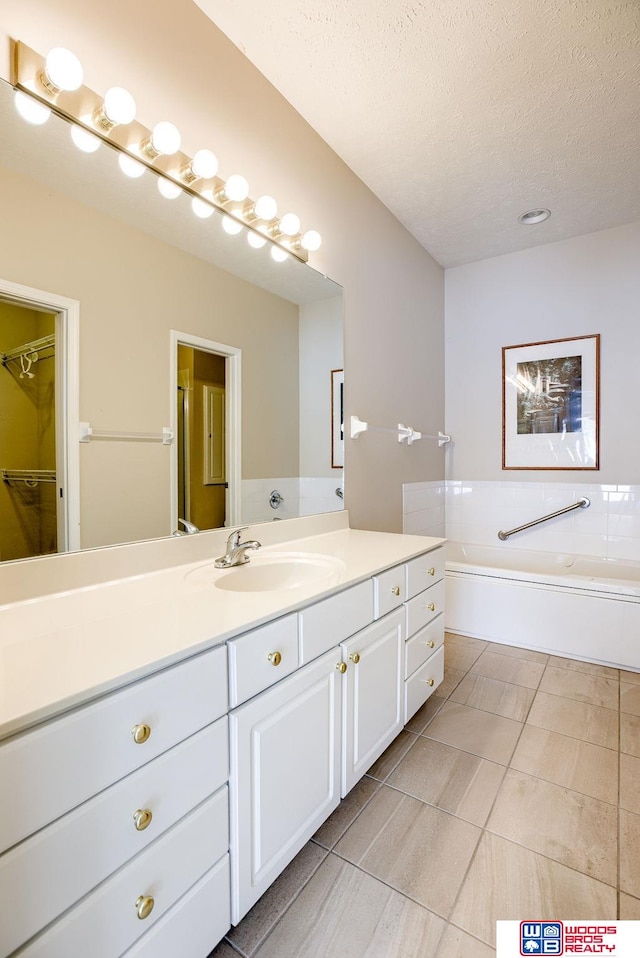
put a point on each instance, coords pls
(181, 327)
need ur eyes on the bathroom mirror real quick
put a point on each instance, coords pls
(144, 270)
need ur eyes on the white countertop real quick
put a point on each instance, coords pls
(61, 650)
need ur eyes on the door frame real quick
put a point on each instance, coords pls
(233, 449)
(67, 371)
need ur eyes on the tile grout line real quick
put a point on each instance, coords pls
(483, 830)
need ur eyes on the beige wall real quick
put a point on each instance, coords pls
(321, 350)
(590, 284)
(179, 66)
(133, 289)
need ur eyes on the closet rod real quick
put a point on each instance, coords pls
(31, 476)
(27, 348)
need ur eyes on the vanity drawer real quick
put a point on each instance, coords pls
(424, 571)
(261, 658)
(67, 760)
(423, 644)
(106, 922)
(195, 923)
(329, 622)
(423, 683)
(101, 835)
(389, 590)
(424, 607)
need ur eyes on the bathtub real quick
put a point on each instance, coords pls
(575, 606)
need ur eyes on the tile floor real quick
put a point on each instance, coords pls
(513, 793)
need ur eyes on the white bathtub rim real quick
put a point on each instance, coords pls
(625, 589)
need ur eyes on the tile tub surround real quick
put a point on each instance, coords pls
(609, 528)
(529, 812)
(474, 511)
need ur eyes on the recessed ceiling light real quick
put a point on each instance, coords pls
(534, 216)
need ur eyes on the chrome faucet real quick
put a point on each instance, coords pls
(236, 553)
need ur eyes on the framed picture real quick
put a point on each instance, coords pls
(550, 404)
(337, 418)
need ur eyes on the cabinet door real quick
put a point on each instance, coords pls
(373, 695)
(285, 774)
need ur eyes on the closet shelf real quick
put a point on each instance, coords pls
(27, 349)
(30, 476)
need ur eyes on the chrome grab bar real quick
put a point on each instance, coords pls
(582, 503)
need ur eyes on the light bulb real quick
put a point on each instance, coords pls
(129, 166)
(118, 108)
(289, 224)
(85, 141)
(279, 254)
(231, 226)
(236, 188)
(168, 188)
(62, 71)
(253, 239)
(265, 208)
(164, 140)
(204, 164)
(202, 209)
(311, 241)
(31, 110)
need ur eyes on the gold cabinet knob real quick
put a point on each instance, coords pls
(395, 590)
(432, 607)
(341, 667)
(431, 644)
(140, 733)
(275, 658)
(142, 818)
(355, 657)
(431, 571)
(431, 682)
(144, 906)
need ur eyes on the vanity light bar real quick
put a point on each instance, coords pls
(86, 109)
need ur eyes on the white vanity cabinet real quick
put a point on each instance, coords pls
(285, 774)
(424, 608)
(373, 694)
(145, 822)
(87, 869)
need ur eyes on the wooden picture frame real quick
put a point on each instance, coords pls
(551, 404)
(337, 418)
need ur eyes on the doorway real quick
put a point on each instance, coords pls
(39, 508)
(206, 464)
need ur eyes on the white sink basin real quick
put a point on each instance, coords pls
(273, 572)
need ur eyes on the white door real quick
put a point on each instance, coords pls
(373, 694)
(285, 775)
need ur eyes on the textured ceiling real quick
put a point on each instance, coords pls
(461, 115)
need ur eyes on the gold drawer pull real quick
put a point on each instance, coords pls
(431, 682)
(341, 667)
(144, 906)
(275, 658)
(355, 657)
(142, 818)
(431, 644)
(395, 590)
(140, 733)
(431, 607)
(431, 571)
